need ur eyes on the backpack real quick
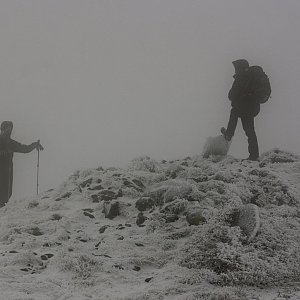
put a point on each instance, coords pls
(260, 85)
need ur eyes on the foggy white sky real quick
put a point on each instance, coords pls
(101, 82)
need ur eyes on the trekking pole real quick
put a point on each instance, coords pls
(38, 170)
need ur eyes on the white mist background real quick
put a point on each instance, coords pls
(102, 82)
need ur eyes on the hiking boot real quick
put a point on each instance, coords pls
(223, 131)
(251, 159)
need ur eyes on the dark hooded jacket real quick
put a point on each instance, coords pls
(242, 93)
(7, 148)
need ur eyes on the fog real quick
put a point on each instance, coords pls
(102, 82)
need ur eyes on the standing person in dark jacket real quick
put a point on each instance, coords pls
(246, 95)
(7, 148)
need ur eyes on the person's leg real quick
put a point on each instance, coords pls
(4, 186)
(232, 123)
(248, 126)
(10, 184)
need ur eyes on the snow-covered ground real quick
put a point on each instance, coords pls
(192, 241)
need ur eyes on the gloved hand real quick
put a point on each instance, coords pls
(39, 146)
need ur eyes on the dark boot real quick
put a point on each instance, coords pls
(223, 131)
(251, 159)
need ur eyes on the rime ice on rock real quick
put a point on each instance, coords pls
(148, 231)
(248, 220)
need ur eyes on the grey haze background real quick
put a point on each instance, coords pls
(101, 82)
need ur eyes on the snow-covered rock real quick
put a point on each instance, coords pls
(187, 229)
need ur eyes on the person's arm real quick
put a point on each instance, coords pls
(234, 91)
(241, 88)
(21, 148)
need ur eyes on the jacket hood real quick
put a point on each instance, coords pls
(240, 65)
(6, 124)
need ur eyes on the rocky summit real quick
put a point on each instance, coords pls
(193, 228)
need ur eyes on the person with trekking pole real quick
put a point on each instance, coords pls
(7, 148)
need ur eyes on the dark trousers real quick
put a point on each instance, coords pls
(248, 126)
(6, 181)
